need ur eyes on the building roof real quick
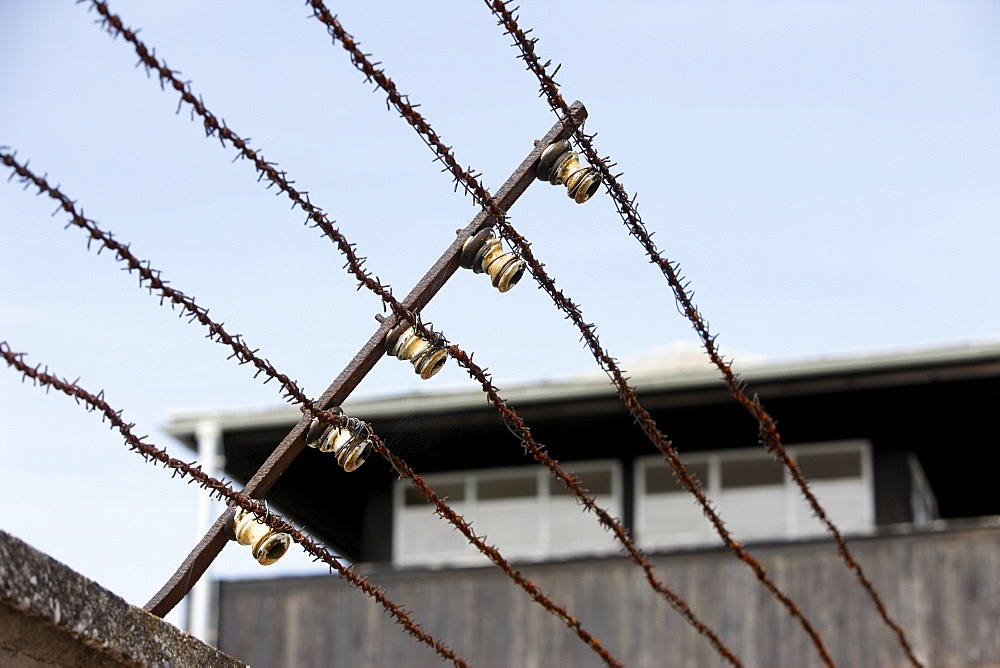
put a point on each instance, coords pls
(674, 370)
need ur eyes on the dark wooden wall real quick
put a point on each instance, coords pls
(942, 587)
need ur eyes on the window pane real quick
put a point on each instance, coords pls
(751, 473)
(595, 482)
(455, 491)
(660, 479)
(506, 488)
(828, 465)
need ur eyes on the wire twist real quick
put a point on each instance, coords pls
(471, 185)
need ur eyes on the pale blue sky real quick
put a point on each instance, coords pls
(826, 174)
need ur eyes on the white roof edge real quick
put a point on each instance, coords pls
(592, 384)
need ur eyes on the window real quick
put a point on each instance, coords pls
(755, 495)
(523, 511)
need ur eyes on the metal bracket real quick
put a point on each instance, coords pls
(205, 552)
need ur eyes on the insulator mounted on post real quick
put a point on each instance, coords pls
(404, 342)
(266, 544)
(482, 253)
(350, 443)
(560, 164)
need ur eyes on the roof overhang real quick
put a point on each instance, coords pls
(678, 386)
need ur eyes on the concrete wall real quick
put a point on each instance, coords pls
(53, 616)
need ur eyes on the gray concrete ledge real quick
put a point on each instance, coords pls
(52, 616)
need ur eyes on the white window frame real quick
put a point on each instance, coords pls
(545, 508)
(795, 516)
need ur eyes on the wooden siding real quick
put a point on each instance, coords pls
(942, 587)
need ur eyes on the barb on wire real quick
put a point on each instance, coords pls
(150, 278)
(222, 490)
(626, 206)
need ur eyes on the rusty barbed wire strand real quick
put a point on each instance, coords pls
(471, 184)
(215, 127)
(246, 355)
(713, 338)
(221, 490)
(149, 277)
(626, 207)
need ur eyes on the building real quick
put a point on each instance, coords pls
(890, 443)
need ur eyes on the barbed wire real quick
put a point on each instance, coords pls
(277, 178)
(626, 207)
(471, 184)
(216, 488)
(246, 355)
